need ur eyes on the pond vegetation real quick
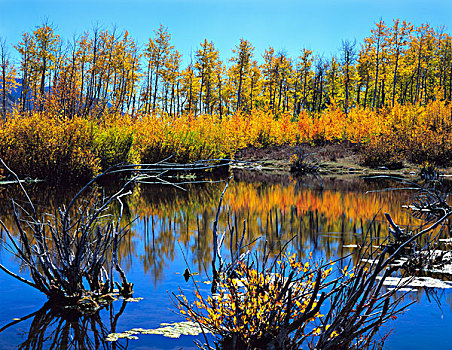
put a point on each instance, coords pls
(287, 303)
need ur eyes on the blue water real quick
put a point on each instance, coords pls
(424, 326)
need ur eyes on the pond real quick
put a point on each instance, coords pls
(173, 228)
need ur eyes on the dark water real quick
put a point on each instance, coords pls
(323, 215)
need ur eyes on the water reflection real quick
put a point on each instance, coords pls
(325, 216)
(66, 329)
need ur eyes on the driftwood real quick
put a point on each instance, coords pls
(69, 249)
(72, 254)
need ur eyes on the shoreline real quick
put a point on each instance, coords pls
(341, 159)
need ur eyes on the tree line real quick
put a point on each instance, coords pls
(106, 70)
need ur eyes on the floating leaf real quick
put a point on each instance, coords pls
(169, 330)
(133, 300)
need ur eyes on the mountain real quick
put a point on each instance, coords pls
(9, 103)
(13, 95)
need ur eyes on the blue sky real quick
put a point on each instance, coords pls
(287, 25)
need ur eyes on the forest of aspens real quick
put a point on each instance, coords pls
(73, 107)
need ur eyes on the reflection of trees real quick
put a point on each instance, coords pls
(324, 216)
(48, 201)
(323, 219)
(67, 329)
(168, 215)
(159, 244)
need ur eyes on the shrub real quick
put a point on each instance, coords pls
(383, 152)
(46, 145)
(39, 146)
(251, 309)
(114, 146)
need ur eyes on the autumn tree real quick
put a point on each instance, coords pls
(104, 71)
(269, 72)
(363, 68)
(207, 64)
(220, 79)
(399, 33)
(26, 49)
(241, 69)
(318, 84)
(157, 53)
(334, 79)
(444, 64)
(190, 87)
(306, 61)
(123, 65)
(377, 42)
(285, 77)
(348, 59)
(255, 84)
(47, 46)
(170, 79)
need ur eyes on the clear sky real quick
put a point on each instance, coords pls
(287, 25)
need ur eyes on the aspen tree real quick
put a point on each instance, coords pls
(377, 41)
(398, 40)
(170, 77)
(207, 62)
(26, 49)
(284, 79)
(269, 72)
(306, 61)
(318, 84)
(420, 42)
(348, 59)
(333, 76)
(157, 52)
(241, 67)
(47, 43)
(255, 79)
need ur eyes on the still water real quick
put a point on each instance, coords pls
(324, 215)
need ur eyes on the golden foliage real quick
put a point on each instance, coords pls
(253, 305)
(47, 145)
(43, 147)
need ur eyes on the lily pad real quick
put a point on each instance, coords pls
(124, 335)
(133, 300)
(404, 290)
(169, 330)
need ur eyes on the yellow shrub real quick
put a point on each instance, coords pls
(39, 146)
(45, 145)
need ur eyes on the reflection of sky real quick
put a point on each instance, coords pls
(424, 326)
